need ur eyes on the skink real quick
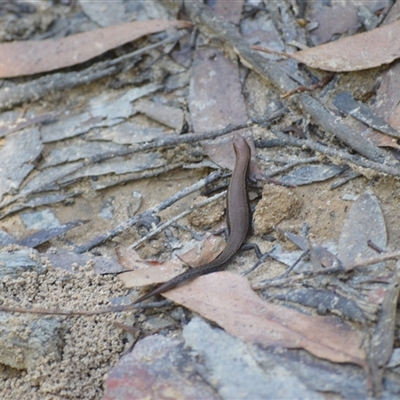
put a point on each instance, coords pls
(238, 221)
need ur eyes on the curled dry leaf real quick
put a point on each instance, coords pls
(130, 259)
(365, 50)
(151, 275)
(198, 255)
(32, 57)
(228, 300)
(381, 140)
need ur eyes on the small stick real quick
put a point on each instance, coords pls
(320, 84)
(257, 264)
(292, 267)
(375, 247)
(260, 285)
(329, 151)
(98, 240)
(291, 165)
(191, 137)
(161, 227)
(346, 268)
(127, 328)
(87, 313)
(271, 51)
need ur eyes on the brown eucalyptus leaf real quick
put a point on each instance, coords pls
(130, 258)
(151, 275)
(35, 56)
(362, 51)
(228, 300)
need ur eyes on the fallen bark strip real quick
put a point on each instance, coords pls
(383, 336)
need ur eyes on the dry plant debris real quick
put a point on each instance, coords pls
(146, 275)
(28, 58)
(231, 303)
(118, 140)
(343, 55)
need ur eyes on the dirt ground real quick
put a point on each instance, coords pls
(91, 346)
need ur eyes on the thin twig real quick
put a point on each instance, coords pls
(170, 39)
(101, 184)
(301, 89)
(257, 264)
(174, 140)
(261, 285)
(291, 165)
(346, 268)
(99, 240)
(177, 218)
(338, 154)
(293, 266)
(394, 255)
(348, 176)
(87, 313)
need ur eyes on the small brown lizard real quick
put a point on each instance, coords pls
(238, 220)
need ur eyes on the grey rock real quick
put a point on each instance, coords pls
(43, 219)
(231, 369)
(14, 263)
(26, 339)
